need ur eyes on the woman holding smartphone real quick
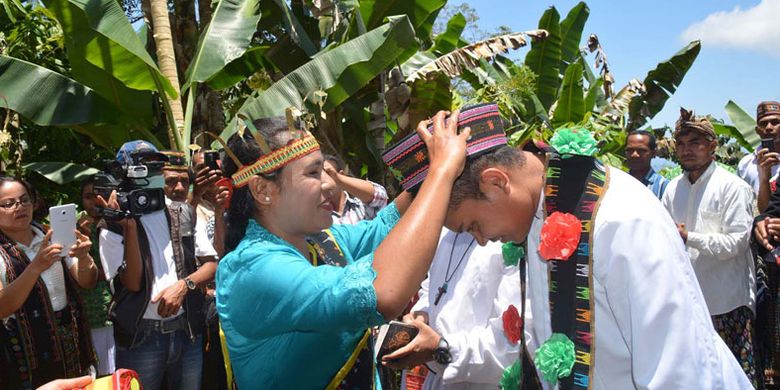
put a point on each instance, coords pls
(44, 335)
(297, 301)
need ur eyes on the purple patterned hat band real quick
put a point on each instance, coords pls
(410, 157)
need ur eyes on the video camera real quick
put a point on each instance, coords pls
(130, 182)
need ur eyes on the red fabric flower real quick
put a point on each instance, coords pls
(560, 236)
(513, 324)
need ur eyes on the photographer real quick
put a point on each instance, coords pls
(150, 260)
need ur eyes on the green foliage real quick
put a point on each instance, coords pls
(224, 41)
(660, 84)
(744, 125)
(340, 72)
(571, 102)
(544, 58)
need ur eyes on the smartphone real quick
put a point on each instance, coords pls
(63, 225)
(211, 158)
(768, 144)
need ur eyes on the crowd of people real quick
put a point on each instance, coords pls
(518, 267)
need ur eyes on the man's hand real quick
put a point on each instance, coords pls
(766, 231)
(112, 203)
(418, 351)
(410, 317)
(171, 299)
(766, 160)
(683, 232)
(204, 183)
(761, 235)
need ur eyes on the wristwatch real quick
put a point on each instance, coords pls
(190, 284)
(442, 353)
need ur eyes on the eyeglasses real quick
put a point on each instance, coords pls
(23, 201)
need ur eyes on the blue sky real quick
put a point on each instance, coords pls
(739, 59)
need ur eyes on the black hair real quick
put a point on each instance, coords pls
(90, 180)
(467, 185)
(276, 133)
(649, 134)
(336, 161)
(27, 186)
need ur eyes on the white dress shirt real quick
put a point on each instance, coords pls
(469, 314)
(747, 169)
(717, 212)
(653, 330)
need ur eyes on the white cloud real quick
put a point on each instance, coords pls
(755, 28)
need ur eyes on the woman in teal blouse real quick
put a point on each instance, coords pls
(296, 302)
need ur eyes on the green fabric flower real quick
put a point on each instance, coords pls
(555, 358)
(574, 141)
(510, 380)
(512, 253)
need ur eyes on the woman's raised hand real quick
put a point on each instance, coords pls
(446, 148)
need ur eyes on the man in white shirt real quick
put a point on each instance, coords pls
(649, 327)
(748, 166)
(150, 263)
(713, 212)
(463, 300)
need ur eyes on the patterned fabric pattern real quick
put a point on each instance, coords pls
(736, 329)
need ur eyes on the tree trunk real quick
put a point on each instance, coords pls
(166, 59)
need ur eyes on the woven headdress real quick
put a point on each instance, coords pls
(690, 122)
(410, 157)
(271, 160)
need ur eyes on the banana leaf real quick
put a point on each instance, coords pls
(99, 31)
(253, 60)
(295, 29)
(48, 98)
(226, 38)
(571, 33)
(592, 96)
(450, 39)
(544, 59)
(744, 124)
(429, 96)
(61, 172)
(732, 132)
(571, 103)
(660, 84)
(340, 72)
(421, 13)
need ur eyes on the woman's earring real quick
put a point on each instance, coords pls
(267, 198)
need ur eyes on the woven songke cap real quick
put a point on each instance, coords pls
(176, 161)
(767, 108)
(410, 157)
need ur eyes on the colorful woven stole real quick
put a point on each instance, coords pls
(575, 185)
(358, 371)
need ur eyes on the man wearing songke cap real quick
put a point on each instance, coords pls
(760, 168)
(611, 308)
(713, 212)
